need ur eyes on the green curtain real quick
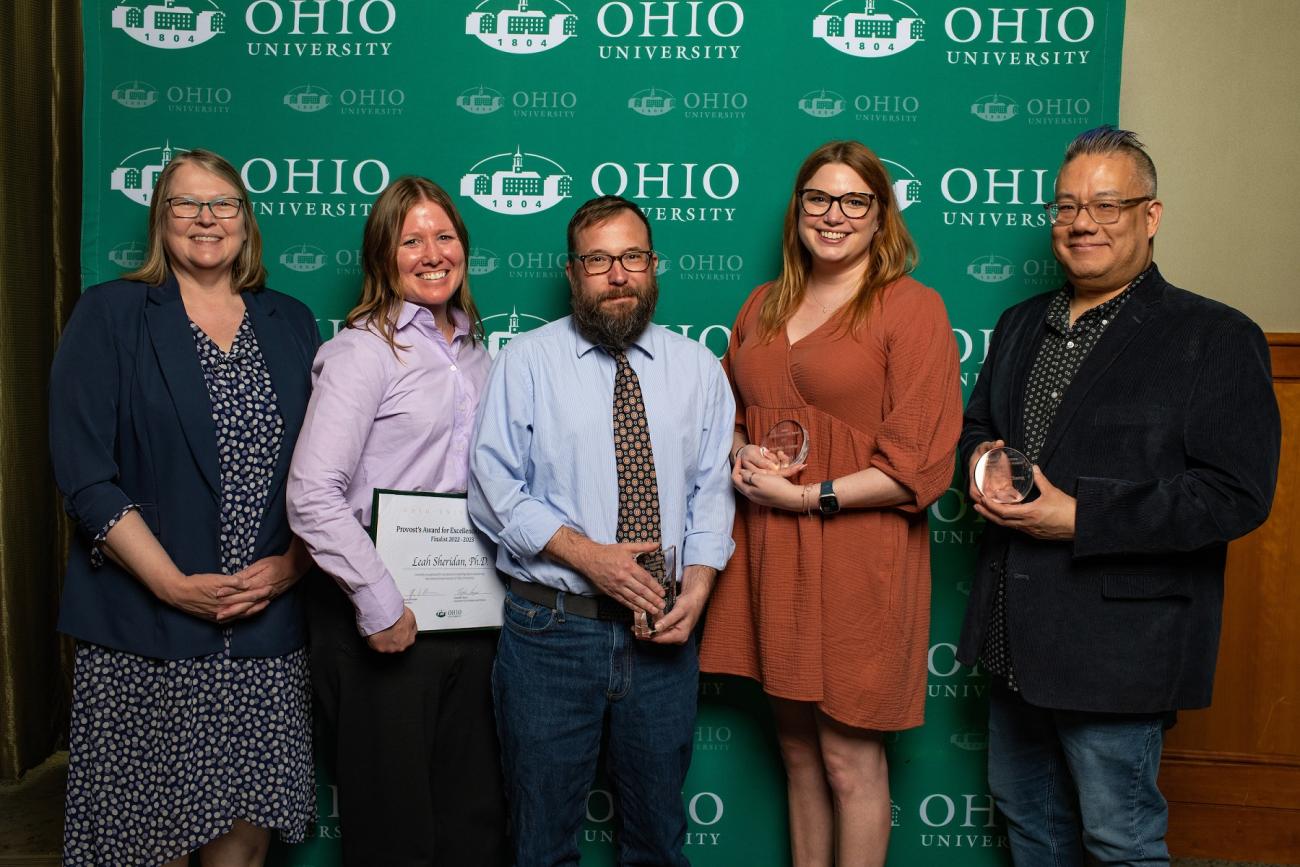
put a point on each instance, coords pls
(40, 213)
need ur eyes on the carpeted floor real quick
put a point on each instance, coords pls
(31, 821)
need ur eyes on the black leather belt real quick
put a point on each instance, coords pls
(590, 607)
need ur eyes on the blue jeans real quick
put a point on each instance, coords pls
(559, 682)
(1069, 781)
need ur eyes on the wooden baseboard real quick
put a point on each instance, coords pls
(1232, 806)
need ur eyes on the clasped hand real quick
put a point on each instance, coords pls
(764, 482)
(219, 598)
(615, 570)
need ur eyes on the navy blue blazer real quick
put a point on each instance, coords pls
(1169, 437)
(131, 422)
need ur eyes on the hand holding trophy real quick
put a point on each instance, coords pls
(662, 566)
(786, 444)
(1004, 475)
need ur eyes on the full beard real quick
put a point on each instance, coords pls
(615, 330)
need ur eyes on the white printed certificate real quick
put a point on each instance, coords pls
(444, 569)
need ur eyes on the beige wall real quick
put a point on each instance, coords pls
(1213, 89)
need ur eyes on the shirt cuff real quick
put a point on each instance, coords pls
(533, 526)
(378, 606)
(96, 544)
(707, 549)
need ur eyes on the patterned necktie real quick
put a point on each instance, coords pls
(638, 492)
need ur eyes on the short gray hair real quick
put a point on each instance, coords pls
(1107, 140)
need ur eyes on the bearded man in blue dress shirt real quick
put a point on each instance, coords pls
(602, 437)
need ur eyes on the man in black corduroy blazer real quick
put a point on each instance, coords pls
(1150, 416)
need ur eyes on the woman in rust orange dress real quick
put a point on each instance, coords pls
(826, 601)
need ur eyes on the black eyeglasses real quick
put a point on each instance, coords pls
(189, 209)
(1102, 211)
(595, 264)
(852, 205)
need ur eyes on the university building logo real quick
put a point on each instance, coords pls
(502, 327)
(479, 100)
(135, 94)
(514, 27)
(303, 258)
(990, 269)
(518, 183)
(907, 187)
(995, 108)
(973, 741)
(483, 261)
(308, 98)
(128, 256)
(883, 27)
(652, 102)
(821, 103)
(168, 25)
(135, 175)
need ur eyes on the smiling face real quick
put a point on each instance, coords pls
(430, 257)
(1097, 258)
(835, 242)
(203, 246)
(613, 308)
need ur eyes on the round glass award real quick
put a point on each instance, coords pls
(786, 443)
(1004, 475)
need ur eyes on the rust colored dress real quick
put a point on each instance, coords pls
(836, 610)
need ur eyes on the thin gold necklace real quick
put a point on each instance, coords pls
(826, 310)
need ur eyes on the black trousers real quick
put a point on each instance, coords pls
(412, 741)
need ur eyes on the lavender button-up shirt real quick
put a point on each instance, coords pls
(380, 420)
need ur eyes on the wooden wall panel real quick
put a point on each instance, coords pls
(1231, 772)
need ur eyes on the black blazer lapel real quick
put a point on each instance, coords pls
(1134, 316)
(173, 344)
(287, 361)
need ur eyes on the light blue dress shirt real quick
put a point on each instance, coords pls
(543, 453)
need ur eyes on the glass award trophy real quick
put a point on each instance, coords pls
(786, 443)
(1004, 475)
(662, 566)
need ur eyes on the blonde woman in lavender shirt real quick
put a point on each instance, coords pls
(408, 716)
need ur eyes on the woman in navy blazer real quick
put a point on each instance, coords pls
(176, 395)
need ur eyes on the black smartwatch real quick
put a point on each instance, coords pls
(828, 503)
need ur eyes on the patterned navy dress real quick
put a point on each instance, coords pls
(166, 754)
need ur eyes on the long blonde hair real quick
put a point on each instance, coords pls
(381, 287)
(247, 273)
(892, 253)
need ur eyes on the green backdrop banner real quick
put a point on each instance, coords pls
(701, 112)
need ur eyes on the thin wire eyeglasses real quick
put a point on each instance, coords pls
(595, 264)
(189, 209)
(1103, 211)
(854, 206)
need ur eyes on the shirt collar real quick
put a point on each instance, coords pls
(645, 341)
(1058, 309)
(422, 317)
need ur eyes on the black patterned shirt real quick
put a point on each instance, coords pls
(1059, 358)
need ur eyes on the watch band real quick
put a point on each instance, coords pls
(827, 502)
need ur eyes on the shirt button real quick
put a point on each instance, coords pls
(453, 367)
(1055, 395)
(1105, 322)
(1069, 344)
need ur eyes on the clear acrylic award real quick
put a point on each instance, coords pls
(1004, 475)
